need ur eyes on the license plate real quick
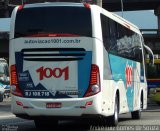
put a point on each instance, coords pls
(53, 105)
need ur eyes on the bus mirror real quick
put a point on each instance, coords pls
(151, 60)
(151, 55)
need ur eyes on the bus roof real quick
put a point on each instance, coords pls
(122, 21)
(48, 4)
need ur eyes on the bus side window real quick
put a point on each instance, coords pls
(138, 53)
(113, 37)
(109, 34)
(123, 41)
(119, 40)
(105, 31)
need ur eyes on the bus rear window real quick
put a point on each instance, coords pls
(54, 20)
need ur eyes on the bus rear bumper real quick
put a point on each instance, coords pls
(74, 107)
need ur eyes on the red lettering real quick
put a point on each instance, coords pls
(47, 72)
(56, 73)
(129, 78)
(41, 73)
(66, 73)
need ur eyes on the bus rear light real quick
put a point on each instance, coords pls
(88, 103)
(14, 80)
(94, 85)
(15, 90)
(87, 5)
(82, 107)
(53, 35)
(19, 103)
(20, 7)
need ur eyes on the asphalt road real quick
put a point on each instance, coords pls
(150, 121)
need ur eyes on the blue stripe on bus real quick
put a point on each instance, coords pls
(118, 66)
(84, 67)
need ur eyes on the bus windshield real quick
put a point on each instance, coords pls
(53, 20)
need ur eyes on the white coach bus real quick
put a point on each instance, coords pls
(75, 60)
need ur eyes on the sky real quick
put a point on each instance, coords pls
(143, 19)
(4, 24)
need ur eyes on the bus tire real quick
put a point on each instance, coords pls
(45, 124)
(136, 115)
(113, 120)
(158, 103)
(1, 99)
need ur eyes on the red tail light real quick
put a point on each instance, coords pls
(20, 7)
(19, 103)
(94, 85)
(15, 90)
(52, 35)
(87, 5)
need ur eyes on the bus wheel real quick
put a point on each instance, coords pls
(158, 103)
(137, 114)
(45, 124)
(1, 97)
(113, 120)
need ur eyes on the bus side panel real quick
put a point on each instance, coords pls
(123, 70)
